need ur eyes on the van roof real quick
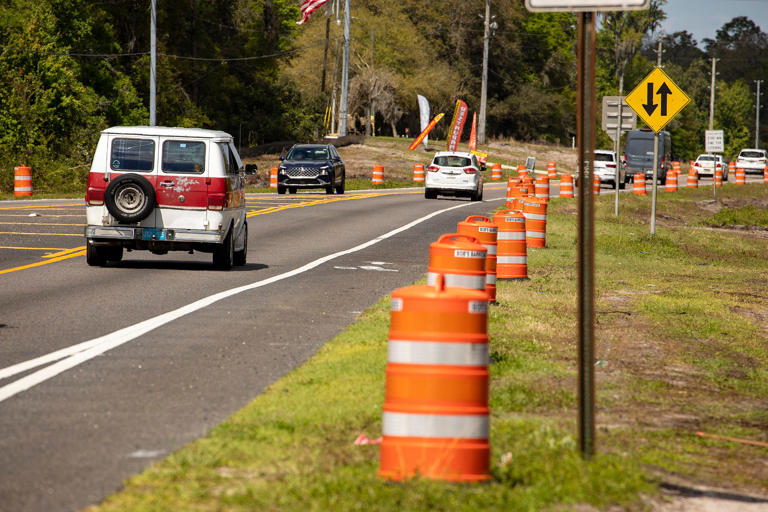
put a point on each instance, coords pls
(166, 131)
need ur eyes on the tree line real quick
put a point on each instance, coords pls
(70, 68)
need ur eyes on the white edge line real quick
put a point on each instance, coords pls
(82, 352)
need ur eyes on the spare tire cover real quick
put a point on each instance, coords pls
(130, 198)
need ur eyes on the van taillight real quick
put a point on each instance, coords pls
(217, 201)
(470, 170)
(94, 196)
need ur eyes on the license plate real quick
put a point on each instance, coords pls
(152, 234)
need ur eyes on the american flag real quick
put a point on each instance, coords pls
(307, 8)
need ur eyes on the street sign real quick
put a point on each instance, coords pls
(714, 141)
(586, 5)
(610, 117)
(657, 99)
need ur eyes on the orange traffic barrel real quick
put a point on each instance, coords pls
(535, 211)
(741, 178)
(435, 419)
(273, 177)
(541, 187)
(639, 184)
(418, 173)
(732, 168)
(496, 171)
(486, 232)
(693, 178)
(595, 184)
(718, 178)
(671, 183)
(522, 170)
(22, 181)
(566, 185)
(676, 167)
(460, 259)
(552, 170)
(765, 174)
(511, 251)
(377, 177)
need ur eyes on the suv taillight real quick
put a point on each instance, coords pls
(612, 166)
(433, 168)
(470, 170)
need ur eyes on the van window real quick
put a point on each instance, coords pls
(180, 156)
(640, 147)
(132, 155)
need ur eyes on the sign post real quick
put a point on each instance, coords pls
(714, 142)
(657, 99)
(617, 118)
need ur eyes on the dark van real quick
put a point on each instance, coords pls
(638, 154)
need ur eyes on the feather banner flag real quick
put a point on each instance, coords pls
(457, 125)
(307, 8)
(426, 131)
(473, 133)
(423, 117)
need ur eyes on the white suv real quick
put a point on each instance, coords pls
(454, 173)
(166, 189)
(605, 168)
(753, 160)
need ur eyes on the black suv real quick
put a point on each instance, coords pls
(311, 166)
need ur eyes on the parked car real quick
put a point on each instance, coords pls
(311, 166)
(454, 173)
(164, 189)
(638, 154)
(605, 165)
(752, 160)
(707, 164)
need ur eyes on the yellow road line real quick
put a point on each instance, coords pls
(64, 252)
(40, 234)
(38, 224)
(47, 215)
(39, 206)
(33, 248)
(41, 263)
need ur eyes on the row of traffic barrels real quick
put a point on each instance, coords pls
(436, 419)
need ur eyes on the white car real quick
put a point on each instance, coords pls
(706, 165)
(454, 173)
(605, 168)
(163, 189)
(752, 160)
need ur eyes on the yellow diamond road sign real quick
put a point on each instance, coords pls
(657, 99)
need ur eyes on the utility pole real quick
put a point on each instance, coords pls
(712, 96)
(344, 75)
(484, 88)
(325, 52)
(757, 115)
(153, 65)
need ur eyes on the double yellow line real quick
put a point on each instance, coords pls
(50, 258)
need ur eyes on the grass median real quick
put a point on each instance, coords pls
(681, 325)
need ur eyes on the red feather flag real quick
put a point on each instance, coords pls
(473, 133)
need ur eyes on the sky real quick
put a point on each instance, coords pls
(703, 18)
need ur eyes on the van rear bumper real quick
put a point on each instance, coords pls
(116, 233)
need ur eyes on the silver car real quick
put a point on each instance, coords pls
(454, 173)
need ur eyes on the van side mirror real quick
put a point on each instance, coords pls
(251, 168)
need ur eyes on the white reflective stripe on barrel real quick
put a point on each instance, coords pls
(535, 234)
(535, 216)
(22, 189)
(435, 352)
(512, 235)
(22, 178)
(491, 248)
(459, 280)
(435, 425)
(507, 260)
(490, 278)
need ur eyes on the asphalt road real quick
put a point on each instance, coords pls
(76, 424)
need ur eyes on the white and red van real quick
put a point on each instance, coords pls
(166, 189)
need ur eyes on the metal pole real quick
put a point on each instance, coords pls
(617, 145)
(325, 52)
(711, 123)
(655, 160)
(484, 88)
(585, 133)
(153, 65)
(344, 75)
(757, 116)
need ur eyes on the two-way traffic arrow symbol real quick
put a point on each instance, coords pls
(649, 105)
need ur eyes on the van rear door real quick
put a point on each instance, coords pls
(133, 154)
(181, 183)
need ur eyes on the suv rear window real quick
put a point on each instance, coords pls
(452, 161)
(183, 157)
(603, 157)
(132, 155)
(752, 154)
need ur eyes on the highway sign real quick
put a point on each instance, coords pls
(610, 117)
(714, 141)
(657, 99)
(586, 5)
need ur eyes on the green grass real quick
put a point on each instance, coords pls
(680, 332)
